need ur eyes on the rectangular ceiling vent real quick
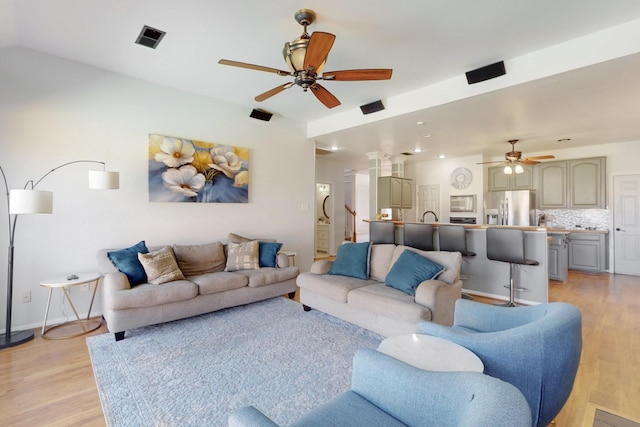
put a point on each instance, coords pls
(406, 153)
(150, 37)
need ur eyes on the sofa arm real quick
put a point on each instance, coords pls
(440, 298)
(321, 266)
(249, 416)
(112, 282)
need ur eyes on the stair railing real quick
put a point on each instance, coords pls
(350, 224)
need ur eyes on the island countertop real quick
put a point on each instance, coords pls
(485, 226)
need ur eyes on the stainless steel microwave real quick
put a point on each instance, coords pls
(462, 203)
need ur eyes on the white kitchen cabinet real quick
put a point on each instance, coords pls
(322, 238)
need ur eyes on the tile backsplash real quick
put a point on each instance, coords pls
(578, 218)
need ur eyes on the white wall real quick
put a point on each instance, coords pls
(438, 172)
(330, 172)
(53, 111)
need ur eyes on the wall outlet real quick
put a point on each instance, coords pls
(84, 287)
(26, 296)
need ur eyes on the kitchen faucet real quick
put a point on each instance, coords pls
(434, 215)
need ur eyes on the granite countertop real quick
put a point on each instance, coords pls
(485, 226)
(551, 230)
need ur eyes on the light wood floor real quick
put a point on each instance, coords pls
(51, 383)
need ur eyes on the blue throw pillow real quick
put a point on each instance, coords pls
(268, 254)
(410, 270)
(126, 261)
(352, 260)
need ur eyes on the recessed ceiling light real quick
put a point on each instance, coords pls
(426, 135)
(417, 150)
(442, 156)
(420, 123)
(334, 148)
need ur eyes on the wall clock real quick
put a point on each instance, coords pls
(461, 178)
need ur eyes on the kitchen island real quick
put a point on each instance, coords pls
(485, 277)
(481, 276)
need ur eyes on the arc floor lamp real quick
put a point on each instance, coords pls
(31, 201)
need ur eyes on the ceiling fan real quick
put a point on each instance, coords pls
(513, 160)
(306, 57)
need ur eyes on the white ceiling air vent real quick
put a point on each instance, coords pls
(150, 37)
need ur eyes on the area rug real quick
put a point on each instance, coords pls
(194, 372)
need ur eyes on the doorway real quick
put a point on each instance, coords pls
(324, 214)
(626, 224)
(428, 200)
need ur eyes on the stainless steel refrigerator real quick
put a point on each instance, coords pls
(510, 207)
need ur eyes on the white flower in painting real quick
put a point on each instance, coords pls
(175, 152)
(225, 161)
(186, 180)
(241, 179)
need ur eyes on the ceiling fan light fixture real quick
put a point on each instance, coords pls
(519, 169)
(508, 170)
(294, 53)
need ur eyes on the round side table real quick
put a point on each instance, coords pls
(86, 325)
(431, 353)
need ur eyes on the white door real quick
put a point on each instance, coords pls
(428, 200)
(626, 224)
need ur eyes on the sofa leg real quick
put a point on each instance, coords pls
(306, 307)
(119, 336)
(292, 295)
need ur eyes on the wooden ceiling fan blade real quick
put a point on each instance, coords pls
(529, 162)
(254, 67)
(318, 49)
(547, 157)
(496, 161)
(355, 75)
(272, 92)
(324, 96)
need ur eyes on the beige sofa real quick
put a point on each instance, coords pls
(184, 295)
(373, 305)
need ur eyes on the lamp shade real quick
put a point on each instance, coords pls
(508, 170)
(519, 169)
(30, 202)
(104, 180)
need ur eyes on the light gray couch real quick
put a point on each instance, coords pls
(372, 304)
(126, 307)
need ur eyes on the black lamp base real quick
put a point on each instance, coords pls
(16, 338)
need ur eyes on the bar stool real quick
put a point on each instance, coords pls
(419, 236)
(507, 245)
(453, 238)
(382, 232)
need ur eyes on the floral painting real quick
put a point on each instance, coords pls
(185, 170)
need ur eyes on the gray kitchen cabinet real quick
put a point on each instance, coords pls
(552, 191)
(573, 184)
(587, 183)
(499, 181)
(395, 192)
(588, 252)
(558, 257)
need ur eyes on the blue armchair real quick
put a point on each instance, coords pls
(535, 348)
(386, 392)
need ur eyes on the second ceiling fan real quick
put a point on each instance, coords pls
(306, 57)
(514, 159)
